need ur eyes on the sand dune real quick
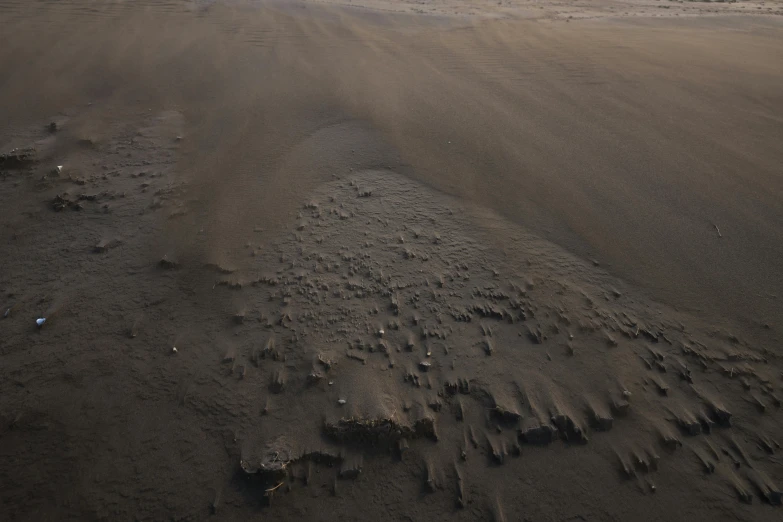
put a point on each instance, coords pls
(396, 260)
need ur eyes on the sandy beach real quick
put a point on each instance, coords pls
(394, 260)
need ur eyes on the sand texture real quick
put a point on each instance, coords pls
(436, 260)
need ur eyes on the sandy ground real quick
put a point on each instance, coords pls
(402, 260)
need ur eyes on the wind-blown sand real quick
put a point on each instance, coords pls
(393, 261)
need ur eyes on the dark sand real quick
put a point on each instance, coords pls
(418, 261)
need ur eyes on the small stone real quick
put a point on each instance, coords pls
(341, 402)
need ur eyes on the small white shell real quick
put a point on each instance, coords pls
(341, 401)
(174, 349)
(40, 322)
